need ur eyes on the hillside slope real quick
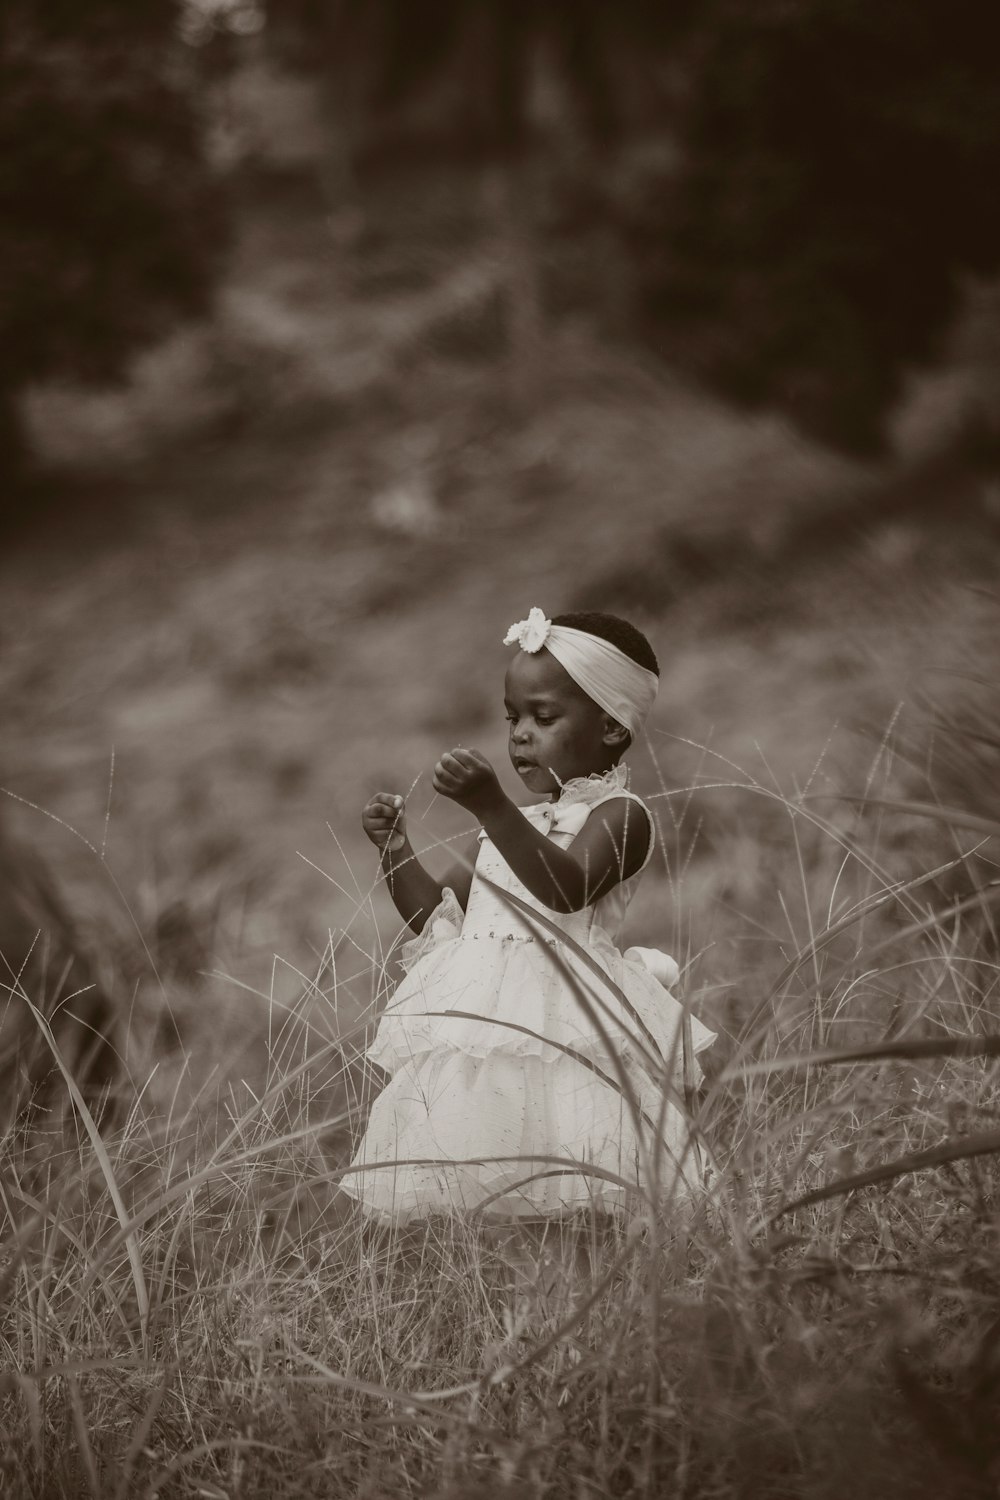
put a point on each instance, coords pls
(303, 588)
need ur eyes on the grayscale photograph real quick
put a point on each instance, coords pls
(500, 749)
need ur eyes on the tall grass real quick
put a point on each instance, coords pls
(189, 1306)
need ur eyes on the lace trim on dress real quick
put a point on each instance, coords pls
(600, 787)
(594, 788)
(582, 790)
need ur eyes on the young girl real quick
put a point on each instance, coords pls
(504, 1047)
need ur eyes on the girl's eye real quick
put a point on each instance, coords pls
(511, 718)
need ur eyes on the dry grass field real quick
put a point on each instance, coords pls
(217, 647)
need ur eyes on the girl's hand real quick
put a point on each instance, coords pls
(384, 821)
(467, 777)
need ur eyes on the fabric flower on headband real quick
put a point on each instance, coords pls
(530, 634)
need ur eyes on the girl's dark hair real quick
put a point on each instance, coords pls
(619, 632)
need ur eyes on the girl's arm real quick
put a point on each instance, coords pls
(414, 891)
(611, 846)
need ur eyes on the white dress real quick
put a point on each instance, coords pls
(505, 1047)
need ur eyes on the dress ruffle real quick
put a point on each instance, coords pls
(486, 979)
(458, 1130)
(467, 1089)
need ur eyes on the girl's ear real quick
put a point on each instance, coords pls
(615, 734)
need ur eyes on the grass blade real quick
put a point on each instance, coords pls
(90, 1125)
(954, 817)
(985, 1144)
(83, 1437)
(959, 1046)
(140, 1437)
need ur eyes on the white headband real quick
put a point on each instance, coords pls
(616, 683)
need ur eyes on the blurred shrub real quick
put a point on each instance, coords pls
(955, 759)
(43, 965)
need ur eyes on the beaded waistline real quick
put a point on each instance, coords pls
(508, 937)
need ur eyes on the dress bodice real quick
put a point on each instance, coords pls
(489, 915)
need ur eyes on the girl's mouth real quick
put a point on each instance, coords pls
(521, 766)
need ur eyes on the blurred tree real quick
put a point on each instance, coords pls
(111, 223)
(840, 160)
(840, 185)
(837, 187)
(480, 61)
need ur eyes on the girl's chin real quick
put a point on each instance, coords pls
(537, 779)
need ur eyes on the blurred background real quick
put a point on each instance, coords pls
(338, 333)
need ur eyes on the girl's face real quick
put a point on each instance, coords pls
(554, 726)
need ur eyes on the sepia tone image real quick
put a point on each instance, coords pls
(500, 751)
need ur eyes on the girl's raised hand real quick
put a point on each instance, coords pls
(467, 777)
(384, 820)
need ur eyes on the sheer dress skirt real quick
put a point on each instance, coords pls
(522, 1086)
